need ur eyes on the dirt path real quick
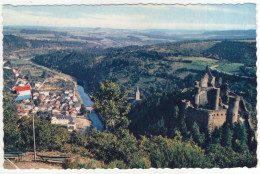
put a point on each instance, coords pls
(27, 163)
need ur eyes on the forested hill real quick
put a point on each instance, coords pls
(242, 52)
(14, 43)
(155, 68)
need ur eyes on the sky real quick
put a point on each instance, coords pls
(173, 17)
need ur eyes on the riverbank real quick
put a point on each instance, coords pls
(95, 119)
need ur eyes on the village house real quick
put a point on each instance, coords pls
(75, 99)
(77, 106)
(23, 114)
(71, 126)
(64, 120)
(60, 119)
(38, 84)
(27, 106)
(15, 73)
(45, 93)
(20, 107)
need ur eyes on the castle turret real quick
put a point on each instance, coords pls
(197, 94)
(232, 112)
(224, 94)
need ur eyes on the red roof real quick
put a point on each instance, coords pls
(24, 88)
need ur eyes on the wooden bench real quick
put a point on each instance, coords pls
(13, 155)
(53, 158)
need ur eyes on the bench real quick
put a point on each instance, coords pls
(13, 155)
(53, 158)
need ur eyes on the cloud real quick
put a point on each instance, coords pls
(154, 7)
(200, 26)
(116, 17)
(207, 8)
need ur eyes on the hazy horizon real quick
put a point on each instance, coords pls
(150, 29)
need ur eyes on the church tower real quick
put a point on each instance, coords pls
(137, 94)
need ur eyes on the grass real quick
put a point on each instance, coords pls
(60, 83)
(232, 68)
(198, 63)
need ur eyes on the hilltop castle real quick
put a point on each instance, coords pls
(212, 105)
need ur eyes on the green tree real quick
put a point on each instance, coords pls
(43, 134)
(183, 127)
(239, 140)
(197, 136)
(76, 138)
(26, 131)
(29, 76)
(226, 157)
(83, 109)
(216, 136)
(110, 103)
(226, 140)
(175, 113)
(12, 136)
(60, 136)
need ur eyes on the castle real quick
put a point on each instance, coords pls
(211, 104)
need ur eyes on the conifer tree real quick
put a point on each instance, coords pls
(216, 136)
(197, 136)
(239, 138)
(226, 136)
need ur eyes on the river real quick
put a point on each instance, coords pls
(96, 123)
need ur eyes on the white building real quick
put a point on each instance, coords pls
(60, 119)
(38, 84)
(45, 93)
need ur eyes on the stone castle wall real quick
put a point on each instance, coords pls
(206, 118)
(217, 118)
(200, 116)
(203, 98)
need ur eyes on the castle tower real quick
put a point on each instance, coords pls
(232, 112)
(204, 81)
(216, 92)
(197, 94)
(137, 94)
(224, 94)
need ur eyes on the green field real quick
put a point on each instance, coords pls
(232, 68)
(198, 63)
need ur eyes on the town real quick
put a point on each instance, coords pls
(63, 109)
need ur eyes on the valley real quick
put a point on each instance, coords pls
(163, 65)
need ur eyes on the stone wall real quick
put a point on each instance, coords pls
(217, 118)
(200, 116)
(203, 99)
(204, 81)
(206, 118)
(213, 98)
